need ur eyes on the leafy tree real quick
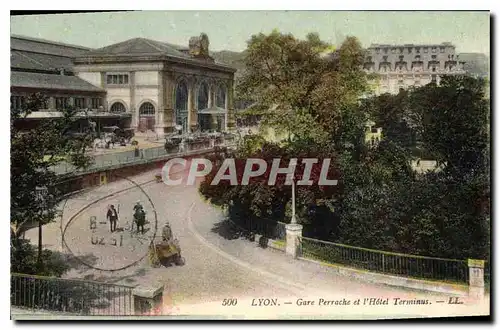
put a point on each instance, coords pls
(454, 123)
(301, 84)
(34, 153)
(443, 213)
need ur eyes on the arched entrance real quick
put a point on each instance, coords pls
(181, 105)
(146, 117)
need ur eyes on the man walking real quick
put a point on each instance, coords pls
(112, 215)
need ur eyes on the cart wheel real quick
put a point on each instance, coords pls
(179, 261)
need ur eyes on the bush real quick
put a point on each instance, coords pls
(23, 259)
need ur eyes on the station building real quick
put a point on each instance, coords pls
(139, 83)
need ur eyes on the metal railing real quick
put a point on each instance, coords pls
(106, 161)
(70, 296)
(449, 270)
(267, 227)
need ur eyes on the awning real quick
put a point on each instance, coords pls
(214, 110)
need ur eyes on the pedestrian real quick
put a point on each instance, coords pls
(112, 215)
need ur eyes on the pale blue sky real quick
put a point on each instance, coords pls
(229, 30)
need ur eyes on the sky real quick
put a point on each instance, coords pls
(230, 30)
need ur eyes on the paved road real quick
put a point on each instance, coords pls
(216, 268)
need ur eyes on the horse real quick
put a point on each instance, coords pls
(140, 219)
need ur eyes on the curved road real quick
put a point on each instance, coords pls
(216, 268)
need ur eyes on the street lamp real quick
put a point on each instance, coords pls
(294, 219)
(41, 195)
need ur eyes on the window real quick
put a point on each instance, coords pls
(96, 102)
(417, 58)
(118, 107)
(417, 82)
(17, 102)
(441, 49)
(368, 58)
(401, 50)
(80, 103)
(426, 49)
(433, 69)
(401, 58)
(202, 96)
(434, 49)
(393, 50)
(409, 50)
(377, 50)
(434, 78)
(386, 50)
(62, 103)
(384, 58)
(417, 50)
(147, 109)
(400, 82)
(433, 57)
(117, 79)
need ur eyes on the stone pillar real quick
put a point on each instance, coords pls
(293, 240)
(88, 103)
(148, 300)
(169, 86)
(210, 96)
(192, 115)
(51, 103)
(160, 110)
(133, 111)
(476, 278)
(230, 122)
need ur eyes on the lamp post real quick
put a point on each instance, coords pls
(41, 194)
(294, 219)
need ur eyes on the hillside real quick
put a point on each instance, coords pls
(476, 64)
(234, 59)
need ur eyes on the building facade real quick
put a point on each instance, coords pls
(402, 66)
(162, 87)
(139, 83)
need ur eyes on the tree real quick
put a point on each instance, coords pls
(34, 153)
(454, 123)
(444, 213)
(289, 78)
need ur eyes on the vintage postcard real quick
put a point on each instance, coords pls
(223, 165)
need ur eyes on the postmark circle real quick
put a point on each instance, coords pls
(92, 235)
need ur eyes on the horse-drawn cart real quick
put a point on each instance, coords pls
(165, 253)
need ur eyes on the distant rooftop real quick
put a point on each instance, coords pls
(411, 45)
(50, 81)
(43, 46)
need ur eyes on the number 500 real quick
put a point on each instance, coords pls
(229, 302)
